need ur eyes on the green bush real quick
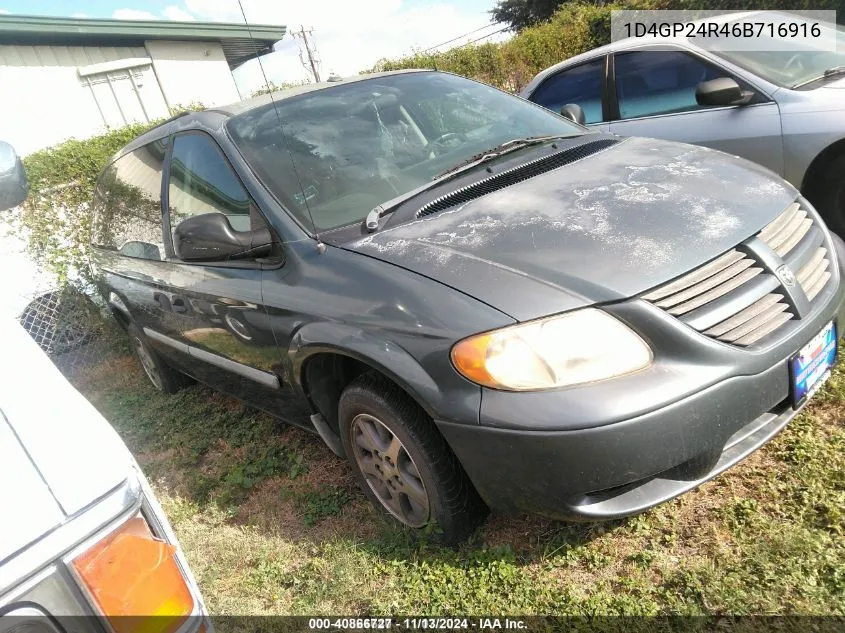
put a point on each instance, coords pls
(575, 28)
(56, 219)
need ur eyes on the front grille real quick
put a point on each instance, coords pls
(794, 236)
(737, 299)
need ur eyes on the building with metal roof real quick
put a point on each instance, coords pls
(69, 77)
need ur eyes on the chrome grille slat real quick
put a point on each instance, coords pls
(730, 304)
(693, 291)
(718, 291)
(805, 249)
(817, 287)
(741, 297)
(795, 237)
(759, 333)
(699, 274)
(814, 277)
(779, 240)
(778, 223)
(766, 315)
(755, 309)
(810, 267)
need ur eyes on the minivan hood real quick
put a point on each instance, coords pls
(605, 228)
(58, 455)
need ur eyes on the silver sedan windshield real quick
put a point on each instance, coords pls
(788, 65)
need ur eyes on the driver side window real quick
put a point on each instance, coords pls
(582, 85)
(201, 181)
(649, 83)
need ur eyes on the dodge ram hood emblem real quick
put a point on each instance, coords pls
(786, 276)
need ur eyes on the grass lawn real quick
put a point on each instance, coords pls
(272, 523)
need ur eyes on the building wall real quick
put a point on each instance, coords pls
(191, 72)
(44, 99)
(52, 93)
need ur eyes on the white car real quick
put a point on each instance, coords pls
(82, 533)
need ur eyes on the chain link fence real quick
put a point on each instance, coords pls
(72, 327)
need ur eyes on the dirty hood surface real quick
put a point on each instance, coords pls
(607, 227)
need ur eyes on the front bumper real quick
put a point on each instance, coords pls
(576, 455)
(624, 468)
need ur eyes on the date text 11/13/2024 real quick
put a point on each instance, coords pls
(435, 624)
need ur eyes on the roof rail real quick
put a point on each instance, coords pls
(176, 116)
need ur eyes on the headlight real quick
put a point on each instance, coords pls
(570, 349)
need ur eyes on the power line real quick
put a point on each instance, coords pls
(457, 38)
(485, 36)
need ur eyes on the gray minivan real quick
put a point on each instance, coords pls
(476, 302)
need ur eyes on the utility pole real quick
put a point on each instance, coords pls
(311, 54)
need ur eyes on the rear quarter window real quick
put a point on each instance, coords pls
(127, 204)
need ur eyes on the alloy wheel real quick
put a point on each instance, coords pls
(148, 363)
(390, 470)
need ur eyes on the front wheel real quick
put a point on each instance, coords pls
(402, 462)
(829, 196)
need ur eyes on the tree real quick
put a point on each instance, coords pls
(522, 13)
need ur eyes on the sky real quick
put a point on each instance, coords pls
(349, 35)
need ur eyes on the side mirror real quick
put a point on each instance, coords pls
(721, 92)
(14, 187)
(210, 237)
(574, 113)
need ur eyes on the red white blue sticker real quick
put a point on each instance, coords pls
(811, 366)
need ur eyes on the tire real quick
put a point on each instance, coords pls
(161, 375)
(429, 488)
(829, 196)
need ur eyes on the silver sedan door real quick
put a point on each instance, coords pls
(655, 96)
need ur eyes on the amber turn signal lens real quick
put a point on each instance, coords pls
(470, 359)
(136, 581)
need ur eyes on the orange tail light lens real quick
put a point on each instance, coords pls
(136, 581)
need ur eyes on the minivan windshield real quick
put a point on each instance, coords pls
(350, 147)
(790, 65)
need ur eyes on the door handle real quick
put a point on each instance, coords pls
(177, 304)
(162, 300)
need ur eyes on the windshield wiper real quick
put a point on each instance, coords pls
(830, 72)
(391, 205)
(495, 152)
(373, 217)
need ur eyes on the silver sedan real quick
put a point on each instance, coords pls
(783, 109)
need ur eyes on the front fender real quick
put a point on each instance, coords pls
(806, 137)
(456, 400)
